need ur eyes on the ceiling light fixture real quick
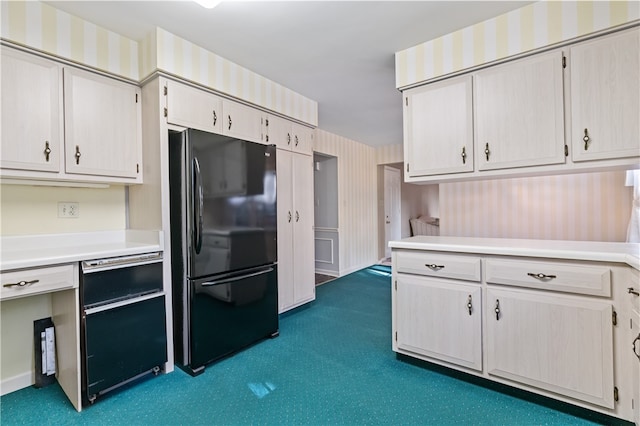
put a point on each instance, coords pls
(209, 4)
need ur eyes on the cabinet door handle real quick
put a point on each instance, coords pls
(541, 276)
(47, 150)
(636, 352)
(288, 138)
(215, 117)
(464, 155)
(78, 155)
(486, 150)
(586, 139)
(633, 291)
(433, 266)
(469, 305)
(297, 216)
(289, 217)
(229, 122)
(296, 140)
(497, 310)
(21, 283)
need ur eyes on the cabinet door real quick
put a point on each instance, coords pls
(559, 343)
(302, 139)
(241, 121)
(433, 319)
(303, 236)
(280, 132)
(519, 113)
(284, 198)
(438, 128)
(635, 361)
(102, 125)
(193, 108)
(31, 112)
(605, 97)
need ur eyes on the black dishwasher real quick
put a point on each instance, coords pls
(123, 322)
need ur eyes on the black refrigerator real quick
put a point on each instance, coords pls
(223, 245)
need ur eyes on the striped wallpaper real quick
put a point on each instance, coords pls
(357, 199)
(533, 26)
(581, 207)
(389, 154)
(42, 27)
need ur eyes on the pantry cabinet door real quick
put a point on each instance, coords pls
(605, 97)
(31, 112)
(102, 125)
(519, 113)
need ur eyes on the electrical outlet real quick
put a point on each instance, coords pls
(68, 210)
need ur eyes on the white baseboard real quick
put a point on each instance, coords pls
(11, 384)
(355, 268)
(327, 272)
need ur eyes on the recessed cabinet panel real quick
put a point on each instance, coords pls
(439, 265)
(193, 108)
(438, 128)
(558, 343)
(605, 97)
(102, 125)
(241, 121)
(31, 112)
(519, 115)
(426, 307)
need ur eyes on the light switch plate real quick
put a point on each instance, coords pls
(68, 210)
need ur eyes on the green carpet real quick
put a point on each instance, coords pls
(331, 364)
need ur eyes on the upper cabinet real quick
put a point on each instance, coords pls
(101, 118)
(291, 136)
(559, 111)
(31, 112)
(102, 125)
(241, 121)
(519, 113)
(605, 97)
(438, 128)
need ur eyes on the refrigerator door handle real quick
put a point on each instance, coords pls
(230, 280)
(198, 205)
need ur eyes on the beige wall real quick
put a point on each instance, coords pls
(28, 210)
(582, 207)
(357, 199)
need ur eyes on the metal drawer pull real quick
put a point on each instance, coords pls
(486, 151)
(78, 154)
(47, 150)
(633, 291)
(464, 155)
(215, 118)
(586, 139)
(21, 283)
(497, 310)
(541, 276)
(635, 351)
(469, 305)
(434, 267)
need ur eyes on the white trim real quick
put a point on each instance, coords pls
(21, 381)
(331, 250)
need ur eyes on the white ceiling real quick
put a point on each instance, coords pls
(338, 53)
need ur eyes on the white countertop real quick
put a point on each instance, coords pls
(628, 253)
(40, 250)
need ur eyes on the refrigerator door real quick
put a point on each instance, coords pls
(230, 196)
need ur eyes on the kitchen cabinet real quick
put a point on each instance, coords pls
(635, 362)
(568, 347)
(102, 125)
(296, 280)
(438, 128)
(101, 118)
(241, 121)
(31, 112)
(290, 136)
(605, 100)
(519, 113)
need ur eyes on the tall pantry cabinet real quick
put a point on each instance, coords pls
(296, 268)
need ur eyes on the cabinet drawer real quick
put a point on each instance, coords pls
(567, 277)
(459, 267)
(36, 281)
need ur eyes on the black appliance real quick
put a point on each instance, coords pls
(223, 245)
(123, 324)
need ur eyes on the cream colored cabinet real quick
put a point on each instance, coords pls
(31, 112)
(241, 121)
(605, 97)
(193, 108)
(438, 128)
(425, 307)
(290, 136)
(296, 281)
(102, 125)
(552, 342)
(635, 362)
(519, 113)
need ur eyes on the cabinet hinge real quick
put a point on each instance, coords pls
(138, 168)
(165, 90)
(614, 318)
(406, 101)
(165, 112)
(136, 98)
(566, 150)
(564, 61)
(407, 167)
(615, 394)
(396, 284)
(396, 336)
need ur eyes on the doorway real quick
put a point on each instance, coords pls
(325, 187)
(392, 209)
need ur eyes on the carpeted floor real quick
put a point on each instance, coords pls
(331, 365)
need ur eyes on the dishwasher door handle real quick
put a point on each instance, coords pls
(230, 280)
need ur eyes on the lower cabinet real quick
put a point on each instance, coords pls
(439, 305)
(563, 344)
